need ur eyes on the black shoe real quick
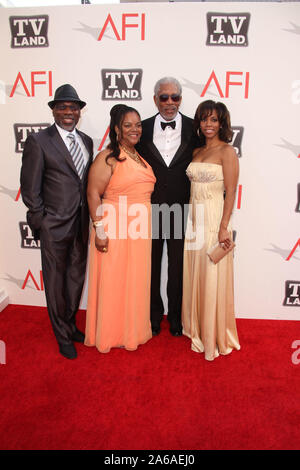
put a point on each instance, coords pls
(78, 336)
(177, 331)
(155, 330)
(68, 351)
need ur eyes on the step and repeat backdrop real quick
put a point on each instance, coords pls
(243, 54)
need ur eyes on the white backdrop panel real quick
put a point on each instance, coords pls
(257, 77)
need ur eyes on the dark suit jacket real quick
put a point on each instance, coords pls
(51, 187)
(172, 184)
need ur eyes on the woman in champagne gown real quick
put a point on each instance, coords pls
(208, 292)
(118, 309)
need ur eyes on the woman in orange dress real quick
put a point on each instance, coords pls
(119, 190)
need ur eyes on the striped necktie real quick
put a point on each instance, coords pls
(76, 154)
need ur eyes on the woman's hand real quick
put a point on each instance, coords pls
(101, 243)
(224, 238)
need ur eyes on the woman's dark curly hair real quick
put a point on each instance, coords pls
(117, 115)
(205, 109)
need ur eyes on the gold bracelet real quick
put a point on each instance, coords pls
(97, 223)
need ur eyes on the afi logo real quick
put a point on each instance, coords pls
(103, 140)
(121, 84)
(225, 29)
(239, 196)
(30, 89)
(126, 22)
(29, 31)
(241, 79)
(22, 131)
(27, 238)
(237, 139)
(293, 250)
(222, 86)
(31, 279)
(292, 294)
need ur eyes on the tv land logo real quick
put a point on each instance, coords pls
(237, 138)
(29, 31)
(298, 198)
(292, 294)
(121, 84)
(227, 29)
(22, 131)
(27, 238)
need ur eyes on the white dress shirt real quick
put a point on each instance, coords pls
(167, 141)
(63, 133)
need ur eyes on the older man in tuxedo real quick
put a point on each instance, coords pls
(167, 143)
(54, 173)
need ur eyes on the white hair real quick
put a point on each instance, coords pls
(164, 81)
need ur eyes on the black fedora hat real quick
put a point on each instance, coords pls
(66, 93)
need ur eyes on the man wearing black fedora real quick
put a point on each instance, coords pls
(54, 174)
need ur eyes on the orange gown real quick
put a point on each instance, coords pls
(118, 306)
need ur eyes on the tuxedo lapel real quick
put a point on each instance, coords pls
(185, 136)
(154, 150)
(148, 129)
(148, 134)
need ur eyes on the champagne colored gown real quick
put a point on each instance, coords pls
(118, 309)
(208, 292)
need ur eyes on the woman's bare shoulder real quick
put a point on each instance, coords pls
(228, 152)
(102, 155)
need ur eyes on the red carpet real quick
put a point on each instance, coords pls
(162, 396)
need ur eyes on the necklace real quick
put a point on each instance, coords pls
(135, 156)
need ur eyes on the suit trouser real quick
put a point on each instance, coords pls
(175, 245)
(63, 265)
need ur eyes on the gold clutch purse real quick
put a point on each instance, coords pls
(217, 252)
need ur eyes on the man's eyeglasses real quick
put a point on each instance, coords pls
(163, 98)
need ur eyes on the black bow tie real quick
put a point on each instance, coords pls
(165, 124)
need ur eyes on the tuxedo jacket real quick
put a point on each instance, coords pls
(172, 184)
(50, 186)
